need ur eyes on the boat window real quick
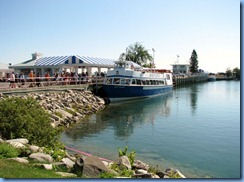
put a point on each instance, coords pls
(133, 81)
(127, 81)
(147, 82)
(124, 81)
(109, 81)
(161, 82)
(168, 77)
(116, 80)
(138, 82)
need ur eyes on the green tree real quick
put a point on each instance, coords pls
(138, 54)
(193, 62)
(25, 118)
(236, 72)
(228, 72)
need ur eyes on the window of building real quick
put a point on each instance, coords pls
(73, 60)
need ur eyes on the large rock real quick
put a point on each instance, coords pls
(69, 163)
(92, 167)
(45, 166)
(41, 157)
(34, 148)
(21, 160)
(24, 141)
(124, 162)
(17, 144)
(140, 165)
(174, 172)
(64, 174)
(141, 171)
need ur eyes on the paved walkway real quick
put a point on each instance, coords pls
(5, 89)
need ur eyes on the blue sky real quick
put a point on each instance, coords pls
(104, 28)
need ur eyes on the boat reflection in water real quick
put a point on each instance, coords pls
(122, 118)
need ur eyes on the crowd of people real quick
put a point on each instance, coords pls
(37, 80)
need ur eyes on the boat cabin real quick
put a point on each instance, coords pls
(128, 65)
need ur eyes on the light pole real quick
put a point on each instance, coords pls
(153, 56)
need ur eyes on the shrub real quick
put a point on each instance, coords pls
(8, 151)
(106, 175)
(25, 118)
(57, 152)
(131, 156)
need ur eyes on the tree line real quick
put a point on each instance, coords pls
(139, 54)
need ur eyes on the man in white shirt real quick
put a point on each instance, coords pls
(12, 80)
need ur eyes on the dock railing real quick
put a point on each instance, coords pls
(44, 82)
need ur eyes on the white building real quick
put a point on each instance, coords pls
(180, 68)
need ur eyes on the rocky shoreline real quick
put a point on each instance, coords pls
(66, 107)
(74, 166)
(69, 107)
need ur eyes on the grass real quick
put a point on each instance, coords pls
(14, 169)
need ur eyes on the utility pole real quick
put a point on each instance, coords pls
(153, 56)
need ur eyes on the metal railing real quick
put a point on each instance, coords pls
(36, 82)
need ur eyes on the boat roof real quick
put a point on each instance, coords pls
(137, 66)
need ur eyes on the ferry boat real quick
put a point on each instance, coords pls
(211, 78)
(130, 81)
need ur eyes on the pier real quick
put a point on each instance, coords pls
(189, 79)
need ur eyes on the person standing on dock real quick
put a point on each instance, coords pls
(12, 80)
(31, 79)
(47, 78)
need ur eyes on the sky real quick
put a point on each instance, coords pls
(104, 28)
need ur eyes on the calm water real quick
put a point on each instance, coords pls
(195, 129)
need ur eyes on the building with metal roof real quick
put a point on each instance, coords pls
(72, 63)
(57, 64)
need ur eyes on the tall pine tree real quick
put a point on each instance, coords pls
(193, 62)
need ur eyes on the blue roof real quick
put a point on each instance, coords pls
(49, 61)
(64, 60)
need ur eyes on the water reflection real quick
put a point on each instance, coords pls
(123, 117)
(194, 92)
(189, 94)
